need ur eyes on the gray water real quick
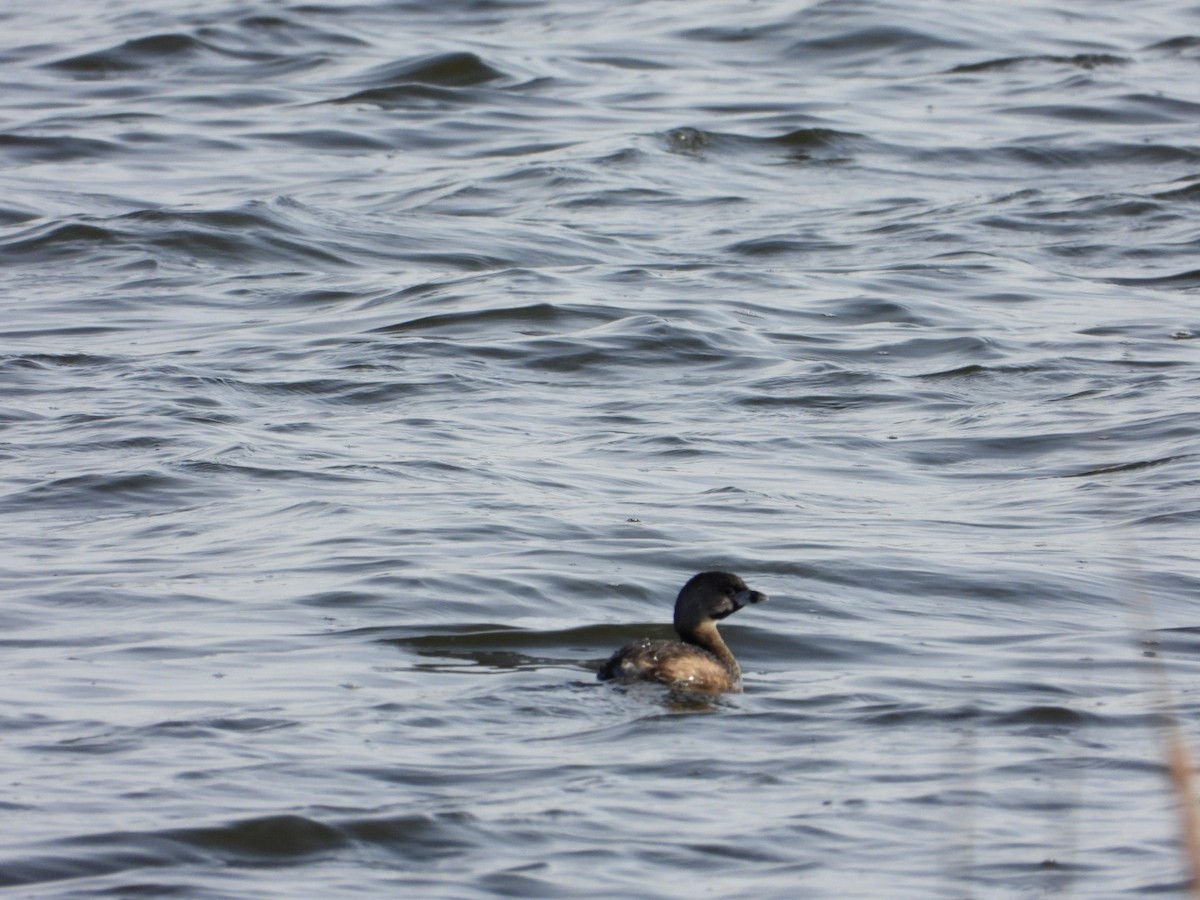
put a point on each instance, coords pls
(370, 371)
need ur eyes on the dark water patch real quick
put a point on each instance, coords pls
(625, 62)
(531, 320)
(13, 416)
(800, 145)
(1053, 717)
(1143, 153)
(874, 311)
(1167, 108)
(827, 144)
(437, 80)
(293, 31)
(1124, 207)
(499, 660)
(124, 445)
(890, 714)
(37, 870)
(988, 451)
(343, 599)
(811, 645)
(103, 493)
(39, 362)
(564, 188)
(228, 473)
(331, 390)
(1177, 44)
(460, 69)
(22, 723)
(922, 348)
(105, 742)
(267, 840)
(783, 245)
(846, 48)
(1190, 192)
(637, 342)
(1181, 517)
(1042, 154)
(820, 402)
(478, 262)
(1188, 280)
(256, 67)
(410, 96)
(288, 836)
(204, 729)
(1037, 225)
(492, 636)
(827, 387)
(131, 56)
(326, 140)
(249, 98)
(1129, 466)
(1132, 113)
(158, 143)
(968, 371)
(43, 148)
(619, 198)
(52, 241)
(261, 38)
(735, 34)
(210, 52)
(1086, 61)
(415, 836)
(525, 149)
(321, 297)
(207, 52)
(977, 593)
(504, 647)
(10, 216)
(253, 235)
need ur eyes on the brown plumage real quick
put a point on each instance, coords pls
(699, 661)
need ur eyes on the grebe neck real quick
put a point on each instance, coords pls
(706, 637)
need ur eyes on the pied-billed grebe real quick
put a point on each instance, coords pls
(700, 661)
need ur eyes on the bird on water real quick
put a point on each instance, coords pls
(699, 661)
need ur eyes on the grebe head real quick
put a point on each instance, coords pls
(710, 596)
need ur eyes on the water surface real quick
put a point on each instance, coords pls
(372, 370)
